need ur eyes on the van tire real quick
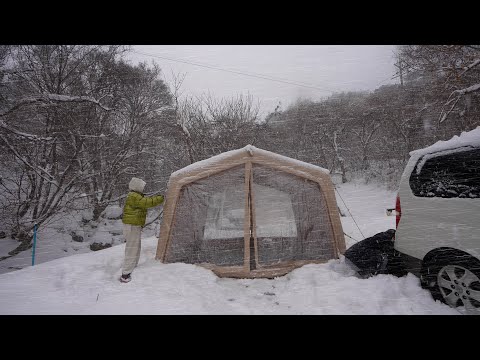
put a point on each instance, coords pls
(454, 293)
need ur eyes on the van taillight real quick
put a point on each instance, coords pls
(398, 210)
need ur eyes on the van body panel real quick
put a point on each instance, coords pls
(428, 223)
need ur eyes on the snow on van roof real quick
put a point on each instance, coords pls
(251, 150)
(466, 138)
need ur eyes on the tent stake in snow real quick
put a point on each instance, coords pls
(34, 243)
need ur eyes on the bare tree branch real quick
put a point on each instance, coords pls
(52, 98)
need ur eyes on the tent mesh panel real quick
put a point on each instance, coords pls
(291, 217)
(292, 220)
(208, 224)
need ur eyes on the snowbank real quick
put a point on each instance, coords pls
(88, 284)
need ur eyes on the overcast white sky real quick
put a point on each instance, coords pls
(325, 68)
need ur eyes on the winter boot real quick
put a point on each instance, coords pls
(125, 278)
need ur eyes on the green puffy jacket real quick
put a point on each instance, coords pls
(135, 209)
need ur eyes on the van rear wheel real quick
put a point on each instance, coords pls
(455, 280)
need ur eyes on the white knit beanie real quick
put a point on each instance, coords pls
(137, 184)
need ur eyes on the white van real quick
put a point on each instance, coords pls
(438, 220)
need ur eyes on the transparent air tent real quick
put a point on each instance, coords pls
(250, 213)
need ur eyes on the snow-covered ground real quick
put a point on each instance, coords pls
(364, 206)
(87, 283)
(54, 240)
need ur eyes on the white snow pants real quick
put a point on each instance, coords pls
(132, 247)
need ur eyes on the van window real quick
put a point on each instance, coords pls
(451, 175)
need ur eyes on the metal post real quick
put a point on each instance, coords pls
(34, 243)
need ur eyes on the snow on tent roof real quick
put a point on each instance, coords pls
(466, 138)
(249, 149)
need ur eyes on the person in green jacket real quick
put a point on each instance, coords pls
(134, 216)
